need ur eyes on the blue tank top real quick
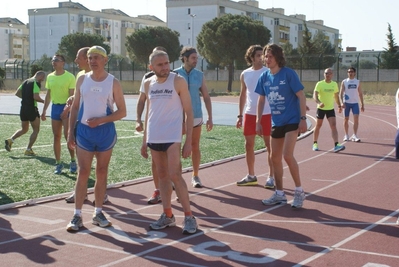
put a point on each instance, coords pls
(194, 79)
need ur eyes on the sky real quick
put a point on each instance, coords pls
(362, 24)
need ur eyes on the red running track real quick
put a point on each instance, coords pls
(348, 218)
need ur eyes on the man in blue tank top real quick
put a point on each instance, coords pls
(197, 87)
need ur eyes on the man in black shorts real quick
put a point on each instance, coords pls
(325, 92)
(28, 91)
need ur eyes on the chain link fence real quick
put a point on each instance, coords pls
(309, 68)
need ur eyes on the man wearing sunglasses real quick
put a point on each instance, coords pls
(350, 94)
(60, 86)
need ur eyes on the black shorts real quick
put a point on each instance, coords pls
(321, 113)
(159, 146)
(280, 131)
(29, 113)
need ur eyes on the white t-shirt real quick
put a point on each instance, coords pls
(251, 78)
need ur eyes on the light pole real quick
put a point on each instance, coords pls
(10, 40)
(34, 33)
(192, 28)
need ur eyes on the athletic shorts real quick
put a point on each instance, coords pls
(250, 124)
(98, 139)
(320, 113)
(29, 113)
(354, 107)
(159, 146)
(56, 110)
(280, 131)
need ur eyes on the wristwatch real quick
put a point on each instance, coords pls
(303, 117)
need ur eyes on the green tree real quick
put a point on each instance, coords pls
(224, 40)
(390, 55)
(71, 43)
(316, 52)
(141, 43)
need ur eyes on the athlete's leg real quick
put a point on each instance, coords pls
(56, 125)
(277, 161)
(333, 125)
(288, 153)
(196, 153)
(266, 139)
(103, 159)
(85, 160)
(250, 154)
(36, 128)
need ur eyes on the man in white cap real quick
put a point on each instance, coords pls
(93, 111)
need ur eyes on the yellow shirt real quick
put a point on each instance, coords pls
(60, 86)
(326, 94)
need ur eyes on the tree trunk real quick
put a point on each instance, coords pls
(231, 73)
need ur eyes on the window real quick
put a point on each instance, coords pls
(189, 11)
(300, 27)
(222, 10)
(51, 32)
(50, 19)
(72, 18)
(276, 21)
(188, 26)
(116, 24)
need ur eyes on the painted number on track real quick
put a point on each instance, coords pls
(206, 249)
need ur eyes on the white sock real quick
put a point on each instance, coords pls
(280, 192)
(298, 188)
(78, 212)
(251, 176)
(97, 210)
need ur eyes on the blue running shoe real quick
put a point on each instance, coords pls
(73, 167)
(58, 168)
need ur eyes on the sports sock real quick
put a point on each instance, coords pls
(188, 214)
(298, 188)
(168, 212)
(77, 212)
(97, 210)
(280, 192)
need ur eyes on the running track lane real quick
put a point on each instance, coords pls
(348, 218)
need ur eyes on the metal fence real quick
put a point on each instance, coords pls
(309, 68)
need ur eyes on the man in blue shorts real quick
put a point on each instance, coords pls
(287, 102)
(29, 92)
(325, 92)
(60, 86)
(93, 108)
(350, 94)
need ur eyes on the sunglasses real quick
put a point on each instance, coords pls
(327, 73)
(350, 71)
(56, 60)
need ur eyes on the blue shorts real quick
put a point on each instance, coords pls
(354, 107)
(56, 110)
(100, 138)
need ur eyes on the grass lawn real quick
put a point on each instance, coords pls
(23, 177)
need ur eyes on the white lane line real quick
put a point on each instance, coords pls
(346, 240)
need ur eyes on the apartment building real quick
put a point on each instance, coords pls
(48, 25)
(188, 16)
(15, 39)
